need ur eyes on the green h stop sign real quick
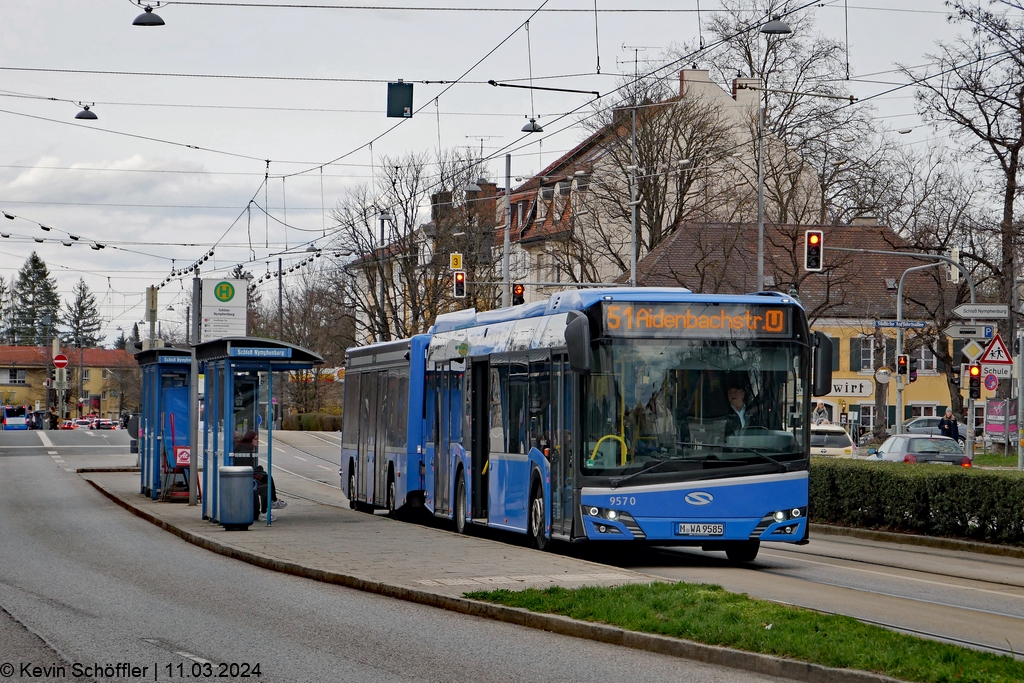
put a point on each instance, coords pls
(224, 291)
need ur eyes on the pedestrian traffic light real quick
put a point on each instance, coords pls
(902, 364)
(518, 294)
(975, 382)
(459, 285)
(912, 372)
(813, 248)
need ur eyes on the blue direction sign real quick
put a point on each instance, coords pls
(904, 324)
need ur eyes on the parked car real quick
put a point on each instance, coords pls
(831, 440)
(83, 423)
(105, 424)
(67, 424)
(939, 450)
(930, 426)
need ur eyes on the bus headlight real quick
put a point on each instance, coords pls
(780, 516)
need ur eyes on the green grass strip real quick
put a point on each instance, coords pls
(995, 460)
(709, 614)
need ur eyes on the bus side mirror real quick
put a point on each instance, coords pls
(577, 339)
(822, 370)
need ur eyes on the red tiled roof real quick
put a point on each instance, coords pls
(722, 258)
(38, 356)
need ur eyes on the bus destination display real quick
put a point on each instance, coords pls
(694, 320)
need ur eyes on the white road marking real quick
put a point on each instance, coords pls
(890, 575)
(51, 452)
(298, 458)
(325, 468)
(45, 438)
(194, 658)
(315, 481)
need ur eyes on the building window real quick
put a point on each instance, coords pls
(104, 376)
(104, 395)
(867, 354)
(867, 415)
(922, 411)
(15, 376)
(924, 359)
(85, 375)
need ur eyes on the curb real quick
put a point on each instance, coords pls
(675, 647)
(100, 470)
(927, 541)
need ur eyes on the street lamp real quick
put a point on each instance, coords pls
(148, 18)
(775, 27)
(385, 216)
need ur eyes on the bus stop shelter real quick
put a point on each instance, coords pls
(235, 370)
(164, 448)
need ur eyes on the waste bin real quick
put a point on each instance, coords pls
(236, 511)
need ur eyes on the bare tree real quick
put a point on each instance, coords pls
(400, 281)
(977, 90)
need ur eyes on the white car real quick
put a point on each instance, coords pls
(831, 441)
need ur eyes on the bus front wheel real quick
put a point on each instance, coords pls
(742, 551)
(538, 537)
(352, 489)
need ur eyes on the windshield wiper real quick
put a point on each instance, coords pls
(759, 453)
(615, 483)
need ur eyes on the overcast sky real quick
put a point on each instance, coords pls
(151, 201)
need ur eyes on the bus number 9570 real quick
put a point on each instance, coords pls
(622, 500)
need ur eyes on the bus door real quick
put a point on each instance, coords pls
(367, 434)
(479, 424)
(380, 458)
(562, 460)
(450, 411)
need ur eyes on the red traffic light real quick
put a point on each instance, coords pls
(814, 238)
(518, 294)
(975, 371)
(460, 276)
(813, 248)
(518, 290)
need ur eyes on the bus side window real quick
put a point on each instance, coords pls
(540, 403)
(518, 386)
(499, 384)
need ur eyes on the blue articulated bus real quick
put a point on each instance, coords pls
(15, 417)
(646, 414)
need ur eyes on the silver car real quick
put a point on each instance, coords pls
(930, 426)
(938, 450)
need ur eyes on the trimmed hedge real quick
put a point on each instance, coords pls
(313, 422)
(921, 499)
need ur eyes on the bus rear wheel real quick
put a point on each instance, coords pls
(742, 551)
(392, 504)
(538, 537)
(352, 489)
(460, 505)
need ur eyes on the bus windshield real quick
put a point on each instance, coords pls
(692, 405)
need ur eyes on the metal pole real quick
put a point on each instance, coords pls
(1020, 402)
(899, 343)
(383, 312)
(632, 203)
(81, 375)
(760, 196)
(280, 337)
(506, 276)
(194, 317)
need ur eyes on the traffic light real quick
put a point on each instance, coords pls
(459, 285)
(913, 370)
(975, 382)
(518, 294)
(956, 372)
(813, 249)
(902, 364)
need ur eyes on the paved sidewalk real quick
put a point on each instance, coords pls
(434, 567)
(324, 538)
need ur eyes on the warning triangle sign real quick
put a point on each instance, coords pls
(996, 353)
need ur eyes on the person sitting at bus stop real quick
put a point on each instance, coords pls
(741, 414)
(248, 442)
(260, 477)
(948, 426)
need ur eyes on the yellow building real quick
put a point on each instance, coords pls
(101, 382)
(845, 300)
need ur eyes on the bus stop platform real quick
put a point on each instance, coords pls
(434, 567)
(365, 551)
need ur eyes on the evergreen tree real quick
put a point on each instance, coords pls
(121, 342)
(82, 319)
(135, 333)
(35, 310)
(5, 306)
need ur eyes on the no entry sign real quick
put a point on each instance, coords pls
(60, 361)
